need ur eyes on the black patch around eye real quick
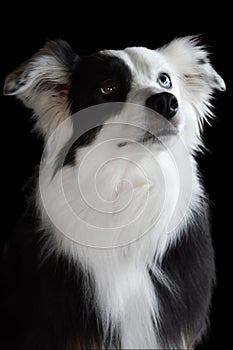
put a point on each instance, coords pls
(89, 75)
(85, 91)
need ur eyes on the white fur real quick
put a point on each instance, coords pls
(38, 91)
(118, 210)
(159, 195)
(124, 290)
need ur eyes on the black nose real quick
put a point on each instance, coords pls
(164, 103)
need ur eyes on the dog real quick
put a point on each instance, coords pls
(114, 250)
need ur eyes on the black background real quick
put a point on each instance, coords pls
(111, 26)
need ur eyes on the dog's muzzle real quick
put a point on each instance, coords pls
(164, 103)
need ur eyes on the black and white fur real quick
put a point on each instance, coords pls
(155, 292)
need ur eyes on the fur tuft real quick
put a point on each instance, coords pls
(42, 83)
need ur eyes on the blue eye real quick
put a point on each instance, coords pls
(164, 80)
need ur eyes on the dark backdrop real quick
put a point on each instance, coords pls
(92, 29)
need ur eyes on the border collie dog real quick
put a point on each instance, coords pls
(114, 250)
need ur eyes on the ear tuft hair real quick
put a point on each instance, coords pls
(42, 83)
(50, 64)
(190, 62)
(191, 59)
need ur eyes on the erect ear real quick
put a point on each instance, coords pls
(191, 62)
(42, 83)
(197, 78)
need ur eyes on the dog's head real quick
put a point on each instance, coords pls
(130, 103)
(175, 81)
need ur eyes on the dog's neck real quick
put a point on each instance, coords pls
(120, 232)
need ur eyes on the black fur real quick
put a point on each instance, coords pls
(44, 302)
(62, 53)
(201, 61)
(88, 76)
(84, 140)
(85, 90)
(189, 265)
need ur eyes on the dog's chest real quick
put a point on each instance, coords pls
(112, 204)
(118, 221)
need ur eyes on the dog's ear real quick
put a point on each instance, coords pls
(198, 79)
(42, 83)
(191, 62)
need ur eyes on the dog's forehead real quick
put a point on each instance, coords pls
(138, 58)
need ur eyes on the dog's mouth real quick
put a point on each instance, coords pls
(157, 128)
(158, 136)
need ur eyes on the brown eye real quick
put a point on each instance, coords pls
(108, 87)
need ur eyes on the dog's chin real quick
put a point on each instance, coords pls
(166, 137)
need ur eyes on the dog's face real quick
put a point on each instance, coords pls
(174, 82)
(134, 76)
(144, 102)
